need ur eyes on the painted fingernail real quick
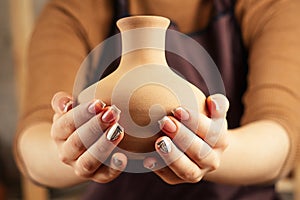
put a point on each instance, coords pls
(64, 103)
(111, 114)
(181, 113)
(68, 106)
(164, 146)
(117, 162)
(167, 124)
(216, 104)
(114, 132)
(96, 106)
(151, 165)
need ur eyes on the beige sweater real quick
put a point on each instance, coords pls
(68, 30)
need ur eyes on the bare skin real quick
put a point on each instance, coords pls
(254, 144)
(69, 157)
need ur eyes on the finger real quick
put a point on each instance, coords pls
(218, 105)
(193, 146)
(106, 174)
(165, 173)
(212, 131)
(67, 123)
(86, 135)
(55, 117)
(177, 161)
(93, 158)
(61, 102)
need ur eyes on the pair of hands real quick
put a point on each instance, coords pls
(77, 133)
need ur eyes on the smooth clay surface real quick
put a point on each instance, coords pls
(144, 88)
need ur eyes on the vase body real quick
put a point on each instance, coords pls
(144, 87)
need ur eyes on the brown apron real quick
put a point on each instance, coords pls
(222, 40)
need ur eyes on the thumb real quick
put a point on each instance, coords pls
(218, 105)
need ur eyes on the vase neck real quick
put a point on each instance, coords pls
(143, 56)
(143, 39)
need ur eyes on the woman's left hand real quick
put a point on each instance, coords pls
(193, 144)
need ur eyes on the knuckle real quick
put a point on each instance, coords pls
(224, 143)
(62, 125)
(214, 164)
(198, 157)
(79, 173)
(191, 176)
(67, 125)
(87, 166)
(77, 144)
(106, 177)
(111, 175)
(163, 172)
(84, 169)
(63, 158)
(82, 174)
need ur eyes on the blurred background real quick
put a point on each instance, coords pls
(16, 21)
(8, 105)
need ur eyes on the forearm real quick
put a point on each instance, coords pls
(40, 156)
(256, 154)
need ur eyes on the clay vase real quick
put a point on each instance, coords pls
(144, 87)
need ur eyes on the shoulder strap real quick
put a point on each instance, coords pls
(121, 9)
(223, 6)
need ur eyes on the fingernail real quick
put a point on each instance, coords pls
(216, 104)
(68, 106)
(96, 106)
(111, 114)
(117, 162)
(167, 124)
(114, 132)
(164, 146)
(64, 103)
(181, 113)
(151, 165)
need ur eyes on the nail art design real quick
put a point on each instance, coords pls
(111, 114)
(117, 162)
(114, 132)
(164, 146)
(152, 166)
(96, 105)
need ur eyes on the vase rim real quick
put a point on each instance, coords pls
(142, 21)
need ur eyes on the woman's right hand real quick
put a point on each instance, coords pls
(86, 136)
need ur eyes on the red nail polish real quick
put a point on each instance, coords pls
(111, 114)
(96, 106)
(181, 113)
(64, 104)
(167, 124)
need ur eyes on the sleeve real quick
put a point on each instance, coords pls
(56, 50)
(62, 37)
(271, 30)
